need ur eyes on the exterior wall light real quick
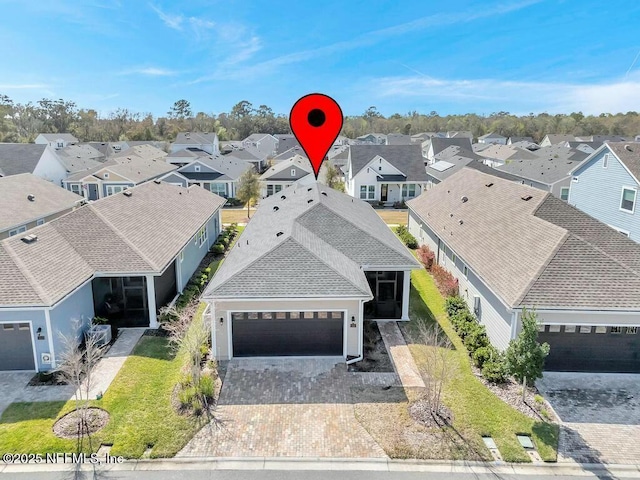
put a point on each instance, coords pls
(353, 322)
(39, 332)
(221, 320)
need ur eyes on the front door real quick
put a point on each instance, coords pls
(384, 189)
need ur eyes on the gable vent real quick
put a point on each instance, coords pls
(127, 193)
(31, 197)
(526, 198)
(489, 185)
(29, 238)
(279, 234)
(276, 208)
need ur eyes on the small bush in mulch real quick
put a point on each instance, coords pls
(376, 358)
(159, 332)
(46, 379)
(70, 425)
(422, 413)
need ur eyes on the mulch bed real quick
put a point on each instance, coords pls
(69, 425)
(46, 379)
(376, 358)
(421, 412)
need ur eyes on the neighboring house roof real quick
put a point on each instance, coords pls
(159, 144)
(513, 140)
(398, 139)
(459, 134)
(18, 209)
(18, 158)
(490, 135)
(195, 138)
(133, 168)
(307, 242)
(144, 151)
(555, 138)
(560, 152)
(526, 145)
(629, 154)
(287, 142)
(543, 170)
(228, 168)
(80, 157)
(406, 158)
(281, 171)
(439, 144)
(249, 154)
(593, 145)
(442, 169)
(456, 151)
(540, 252)
(505, 152)
(290, 153)
(137, 233)
(52, 137)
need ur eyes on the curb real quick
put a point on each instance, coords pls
(326, 464)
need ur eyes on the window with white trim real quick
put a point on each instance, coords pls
(113, 189)
(293, 172)
(106, 175)
(564, 193)
(40, 221)
(409, 190)
(202, 236)
(277, 188)
(196, 168)
(218, 189)
(269, 190)
(77, 188)
(628, 200)
(367, 192)
(18, 230)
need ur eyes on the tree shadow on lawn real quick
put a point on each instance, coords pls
(20, 411)
(419, 311)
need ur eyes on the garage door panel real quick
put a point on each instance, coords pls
(287, 337)
(592, 352)
(16, 349)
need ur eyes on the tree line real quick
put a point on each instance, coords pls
(23, 122)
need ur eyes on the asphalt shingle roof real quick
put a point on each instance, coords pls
(16, 209)
(121, 234)
(303, 232)
(18, 158)
(536, 253)
(406, 158)
(629, 154)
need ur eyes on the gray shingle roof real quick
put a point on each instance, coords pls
(334, 233)
(406, 158)
(556, 138)
(542, 170)
(118, 234)
(439, 144)
(17, 209)
(537, 253)
(457, 162)
(195, 138)
(52, 137)
(629, 154)
(282, 170)
(18, 158)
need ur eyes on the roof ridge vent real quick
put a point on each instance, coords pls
(283, 197)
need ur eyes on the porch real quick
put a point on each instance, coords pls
(390, 295)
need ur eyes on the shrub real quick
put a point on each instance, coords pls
(217, 248)
(446, 283)
(476, 338)
(406, 237)
(186, 397)
(401, 230)
(223, 241)
(401, 205)
(207, 387)
(461, 319)
(483, 355)
(495, 370)
(100, 321)
(233, 202)
(467, 328)
(454, 304)
(426, 256)
(196, 405)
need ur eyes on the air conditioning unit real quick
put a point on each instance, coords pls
(101, 334)
(476, 304)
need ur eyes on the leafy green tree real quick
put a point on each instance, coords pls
(525, 356)
(332, 178)
(180, 110)
(248, 188)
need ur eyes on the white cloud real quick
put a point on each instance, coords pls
(172, 21)
(196, 25)
(617, 95)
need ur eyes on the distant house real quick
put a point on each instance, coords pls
(492, 138)
(606, 185)
(251, 155)
(116, 175)
(121, 258)
(295, 151)
(585, 147)
(513, 140)
(385, 173)
(512, 247)
(443, 169)
(262, 142)
(284, 174)
(41, 160)
(460, 134)
(218, 175)
(373, 139)
(80, 157)
(182, 157)
(398, 139)
(437, 145)
(286, 142)
(28, 201)
(554, 139)
(497, 154)
(204, 141)
(56, 140)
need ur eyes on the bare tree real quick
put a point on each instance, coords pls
(440, 366)
(77, 364)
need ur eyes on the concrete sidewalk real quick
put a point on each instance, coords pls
(401, 357)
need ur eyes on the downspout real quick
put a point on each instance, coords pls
(360, 333)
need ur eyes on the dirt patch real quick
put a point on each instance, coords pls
(46, 379)
(376, 357)
(421, 412)
(70, 426)
(385, 414)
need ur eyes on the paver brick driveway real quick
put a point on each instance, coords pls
(287, 407)
(600, 415)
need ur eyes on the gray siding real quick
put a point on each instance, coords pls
(175, 179)
(75, 311)
(598, 192)
(191, 168)
(493, 314)
(193, 254)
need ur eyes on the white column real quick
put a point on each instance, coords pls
(406, 289)
(151, 302)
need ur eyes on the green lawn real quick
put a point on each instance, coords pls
(476, 410)
(138, 400)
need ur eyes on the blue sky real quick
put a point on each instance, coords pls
(454, 56)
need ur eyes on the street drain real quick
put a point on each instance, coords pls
(529, 447)
(147, 452)
(493, 448)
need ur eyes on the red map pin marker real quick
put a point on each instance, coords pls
(316, 121)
